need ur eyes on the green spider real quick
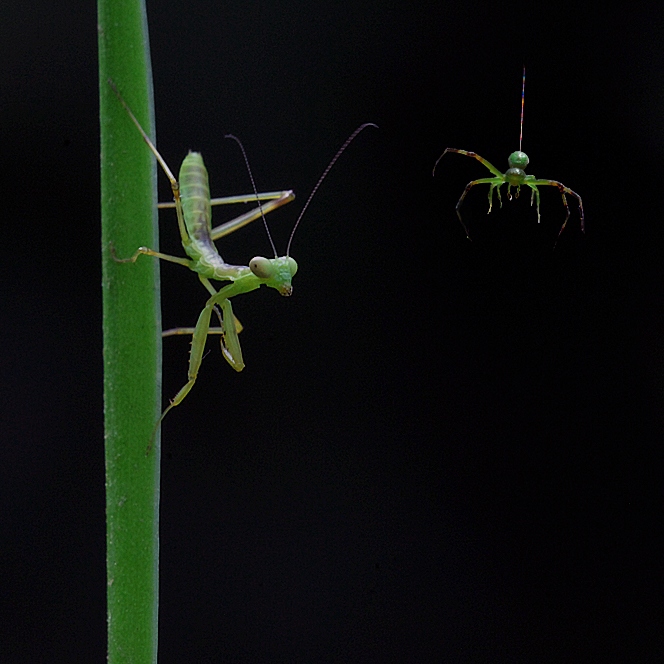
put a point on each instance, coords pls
(514, 176)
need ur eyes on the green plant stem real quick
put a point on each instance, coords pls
(132, 335)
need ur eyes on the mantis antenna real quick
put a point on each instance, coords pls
(253, 184)
(340, 151)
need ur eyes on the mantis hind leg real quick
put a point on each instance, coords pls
(184, 331)
(146, 251)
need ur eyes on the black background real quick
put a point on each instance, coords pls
(440, 450)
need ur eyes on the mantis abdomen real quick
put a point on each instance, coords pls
(195, 195)
(197, 212)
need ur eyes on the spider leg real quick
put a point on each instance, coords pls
(563, 190)
(535, 194)
(500, 200)
(509, 190)
(474, 155)
(494, 182)
(496, 186)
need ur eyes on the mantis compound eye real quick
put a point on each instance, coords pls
(261, 267)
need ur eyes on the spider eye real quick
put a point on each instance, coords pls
(261, 267)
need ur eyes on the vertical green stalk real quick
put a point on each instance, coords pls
(132, 341)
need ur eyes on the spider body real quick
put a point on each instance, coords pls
(515, 176)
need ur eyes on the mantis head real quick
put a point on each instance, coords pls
(277, 273)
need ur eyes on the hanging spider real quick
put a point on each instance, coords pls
(515, 176)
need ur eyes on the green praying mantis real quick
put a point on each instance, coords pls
(193, 206)
(515, 176)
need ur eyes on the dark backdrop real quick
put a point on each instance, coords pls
(439, 450)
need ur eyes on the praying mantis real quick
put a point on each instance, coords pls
(193, 206)
(515, 176)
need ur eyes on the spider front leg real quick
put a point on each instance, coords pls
(563, 190)
(495, 184)
(474, 155)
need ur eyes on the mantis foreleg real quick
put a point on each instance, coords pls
(230, 343)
